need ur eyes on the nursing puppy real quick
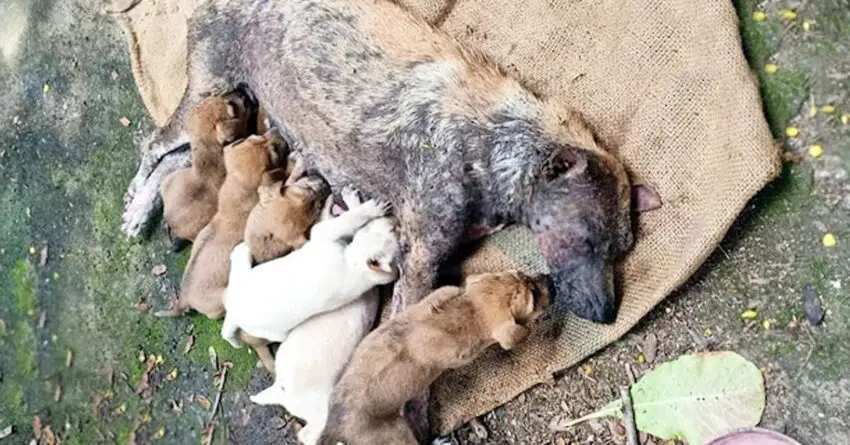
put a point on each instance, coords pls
(206, 275)
(400, 359)
(281, 220)
(311, 360)
(190, 195)
(345, 257)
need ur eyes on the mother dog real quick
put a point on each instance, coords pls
(372, 96)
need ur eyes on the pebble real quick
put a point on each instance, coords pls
(812, 305)
(650, 347)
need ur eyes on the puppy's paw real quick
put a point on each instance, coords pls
(377, 208)
(351, 197)
(272, 395)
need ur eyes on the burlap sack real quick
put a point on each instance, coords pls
(665, 84)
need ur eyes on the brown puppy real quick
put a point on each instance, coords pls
(205, 278)
(281, 220)
(398, 361)
(190, 195)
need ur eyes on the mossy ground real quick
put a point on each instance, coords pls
(65, 160)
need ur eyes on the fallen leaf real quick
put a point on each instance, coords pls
(32, 250)
(203, 401)
(121, 409)
(813, 110)
(829, 240)
(172, 376)
(213, 357)
(807, 25)
(160, 433)
(159, 360)
(771, 68)
(759, 16)
(749, 314)
(6, 432)
(57, 395)
(792, 132)
(42, 319)
(845, 118)
(812, 305)
(69, 358)
(36, 426)
(641, 358)
(650, 347)
(788, 14)
(159, 270)
(42, 259)
(828, 109)
(760, 281)
(45, 88)
(177, 406)
(765, 324)
(124, 121)
(674, 400)
(189, 343)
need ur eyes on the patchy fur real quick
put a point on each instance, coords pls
(446, 330)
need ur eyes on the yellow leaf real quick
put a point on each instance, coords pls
(122, 409)
(829, 240)
(759, 16)
(707, 332)
(770, 68)
(788, 14)
(641, 359)
(159, 360)
(845, 118)
(32, 250)
(46, 88)
(807, 25)
(765, 324)
(749, 314)
(813, 111)
(792, 132)
(173, 375)
(816, 151)
(160, 433)
(828, 109)
(587, 369)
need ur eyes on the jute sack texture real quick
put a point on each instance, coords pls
(663, 82)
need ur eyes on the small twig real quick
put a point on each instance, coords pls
(629, 417)
(224, 369)
(630, 372)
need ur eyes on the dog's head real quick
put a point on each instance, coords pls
(581, 208)
(308, 192)
(379, 246)
(509, 302)
(249, 158)
(223, 119)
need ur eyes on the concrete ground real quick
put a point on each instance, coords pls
(81, 351)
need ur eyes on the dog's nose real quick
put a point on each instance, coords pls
(592, 300)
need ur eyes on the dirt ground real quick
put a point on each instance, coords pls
(81, 351)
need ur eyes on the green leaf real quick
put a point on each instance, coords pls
(695, 398)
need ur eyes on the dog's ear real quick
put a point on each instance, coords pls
(564, 160)
(644, 198)
(509, 334)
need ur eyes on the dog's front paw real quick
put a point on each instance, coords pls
(377, 208)
(350, 197)
(138, 212)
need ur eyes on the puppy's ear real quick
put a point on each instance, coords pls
(564, 161)
(644, 198)
(379, 267)
(228, 130)
(509, 334)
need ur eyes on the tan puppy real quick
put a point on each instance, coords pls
(398, 361)
(190, 195)
(205, 279)
(281, 220)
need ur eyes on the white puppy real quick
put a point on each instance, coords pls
(345, 257)
(311, 360)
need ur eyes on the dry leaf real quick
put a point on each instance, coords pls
(177, 406)
(124, 121)
(57, 395)
(36, 426)
(203, 401)
(213, 357)
(42, 319)
(6, 432)
(189, 343)
(159, 270)
(42, 260)
(69, 358)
